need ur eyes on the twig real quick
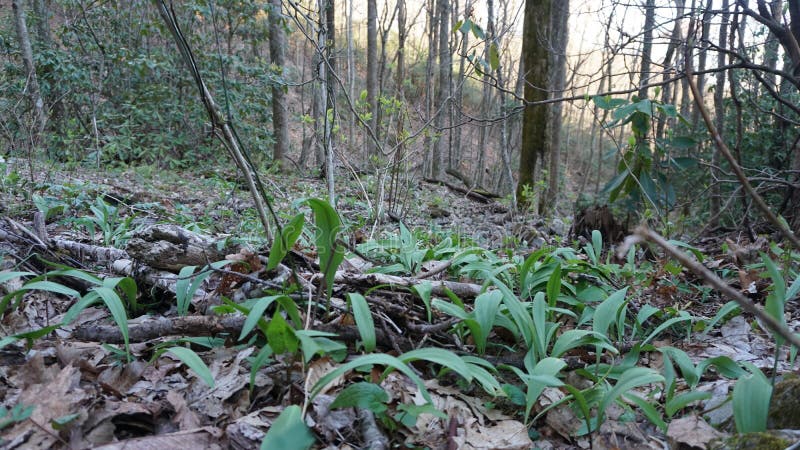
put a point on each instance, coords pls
(643, 233)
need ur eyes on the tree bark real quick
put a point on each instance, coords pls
(647, 46)
(559, 25)
(27, 59)
(443, 89)
(280, 119)
(535, 53)
(719, 112)
(372, 72)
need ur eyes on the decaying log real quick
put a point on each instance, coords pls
(463, 290)
(482, 197)
(145, 329)
(171, 247)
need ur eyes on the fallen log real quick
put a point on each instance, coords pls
(171, 247)
(438, 287)
(150, 328)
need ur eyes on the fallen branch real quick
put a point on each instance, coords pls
(463, 290)
(643, 233)
(202, 325)
(469, 193)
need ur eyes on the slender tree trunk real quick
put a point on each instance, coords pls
(443, 88)
(485, 98)
(372, 72)
(351, 70)
(675, 40)
(719, 112)
(702, 59)
(430, 91)
(459, 94)
(27, 59)
(324, 127)
(401, 48)
(559, 23)
(280, 119)
(647, 46)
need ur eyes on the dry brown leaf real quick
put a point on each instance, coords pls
(690, 431)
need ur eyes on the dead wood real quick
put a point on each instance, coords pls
(171, 247)
(598, 218)
(149, 328)
(469, 193)
(463, 290)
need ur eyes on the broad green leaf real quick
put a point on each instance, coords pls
(364, 322)
(631, 378)
(5, 276)
(494, 57)
(288, 432)
(280, 336)
(330, 253)
(606, 312)
(577, 338)
(257, 362)
(607, 102)
(649, 411)
(190, 358)
(256, 313)
(486, 306)
(597, 244)
(726, 309)
(554, 286)
(51, 286)
(778, 283)
(751, 396)
(439, 356)
(8, 340)
(681, 401)
(362, 395)
(285, 240)
(541, 376)
(114, 304)
(61, 423)
(666, 325)
(368, 360)
(424, 290)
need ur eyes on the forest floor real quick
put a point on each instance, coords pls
(67, 379)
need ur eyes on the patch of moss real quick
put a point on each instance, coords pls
(784, 408)
(751, 441)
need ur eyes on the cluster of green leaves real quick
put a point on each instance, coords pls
(532, 298)
(646, 168)
(553, 302)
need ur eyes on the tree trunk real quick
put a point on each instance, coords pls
(443, 89)
(485, 98)
(27, 59)
(647, 46)
(459, 94)
(433, 27)
(559, 27)
(372, 72)
(535, 53)
(719, 112)
(280, 118)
